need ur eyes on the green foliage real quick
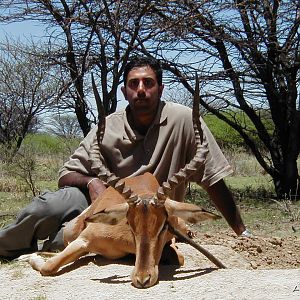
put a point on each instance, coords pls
(227, 137)
(44, 143)
(224, 134)
(24, 166)
(50, 144)
(51, 151)
(35, 166)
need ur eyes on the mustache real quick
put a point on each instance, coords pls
(140, 98)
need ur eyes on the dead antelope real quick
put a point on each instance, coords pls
(133, 216)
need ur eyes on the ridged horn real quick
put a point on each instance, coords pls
(104, 174)
(166, 189)
(101, 110)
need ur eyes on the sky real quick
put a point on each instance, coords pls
(22, 30)
(28, 30)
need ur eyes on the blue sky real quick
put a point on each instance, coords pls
(22, 30)
(29, 29)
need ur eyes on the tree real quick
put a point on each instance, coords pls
(28, 88)
(247, 56)
(246, 53)
(85, 36)
(65, 126)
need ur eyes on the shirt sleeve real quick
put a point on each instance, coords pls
(79, 161)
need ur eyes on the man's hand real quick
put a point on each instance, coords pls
(95, 187)
(93, 184)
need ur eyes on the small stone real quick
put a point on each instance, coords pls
(276, 241)
(253, 265)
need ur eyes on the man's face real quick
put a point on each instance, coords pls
(142, 92)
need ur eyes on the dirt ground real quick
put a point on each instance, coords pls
(257, 268)
(259, 252)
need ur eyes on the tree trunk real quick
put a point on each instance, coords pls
(287, 182)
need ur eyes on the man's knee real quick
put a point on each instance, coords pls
(76, 197)
(68, 200)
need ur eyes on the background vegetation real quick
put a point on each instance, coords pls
(35, 169)
(245, 53)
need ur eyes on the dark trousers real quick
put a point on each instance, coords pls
(42, 219)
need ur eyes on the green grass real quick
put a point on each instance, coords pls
(10, 205)
(254, 187)
(262, 215)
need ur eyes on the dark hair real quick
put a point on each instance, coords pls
(141, 61)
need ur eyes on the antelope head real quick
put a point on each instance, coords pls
(151, 213)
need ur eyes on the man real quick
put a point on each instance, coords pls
(149, 136)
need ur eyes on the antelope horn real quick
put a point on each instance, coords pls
(104, 174)
(166, 189)
(205, 252)
(101, 123)
(196, 111)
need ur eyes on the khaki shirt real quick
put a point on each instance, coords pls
(168, 146)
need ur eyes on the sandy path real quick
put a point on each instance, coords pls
(97, 278)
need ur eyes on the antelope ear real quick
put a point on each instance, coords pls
(111, 215)
(189, 212)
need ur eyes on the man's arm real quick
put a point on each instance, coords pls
(224, 202)
(93, 184)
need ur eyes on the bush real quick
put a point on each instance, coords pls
(50, 144)
(227, 137)
(36, 164)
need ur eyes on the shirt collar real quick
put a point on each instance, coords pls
(160, 118)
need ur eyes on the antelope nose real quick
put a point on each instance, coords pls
(143, 281)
